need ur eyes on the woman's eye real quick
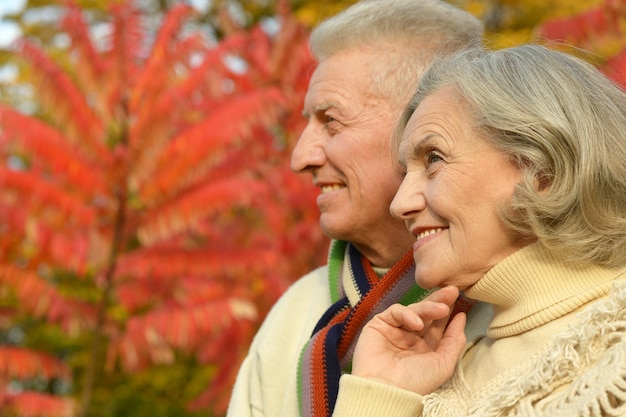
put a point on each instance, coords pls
(432, 157)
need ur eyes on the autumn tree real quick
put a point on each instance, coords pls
(147, 210)
(597, 34)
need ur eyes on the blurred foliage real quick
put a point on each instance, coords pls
(512, 22)
(139, 210)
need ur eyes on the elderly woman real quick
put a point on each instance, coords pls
(515, 190)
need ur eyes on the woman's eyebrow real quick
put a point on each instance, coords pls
(416, 149)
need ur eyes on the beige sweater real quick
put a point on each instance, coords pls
(266, 384)
(556, 346)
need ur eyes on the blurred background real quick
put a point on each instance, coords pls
(148, 216)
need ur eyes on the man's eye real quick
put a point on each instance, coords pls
(332, 125)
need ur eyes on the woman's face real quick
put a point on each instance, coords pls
(455, 181)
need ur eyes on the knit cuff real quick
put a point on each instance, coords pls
(361, 397)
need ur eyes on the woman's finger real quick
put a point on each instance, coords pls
(415, 317)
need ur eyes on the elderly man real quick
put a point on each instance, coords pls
(370, 58)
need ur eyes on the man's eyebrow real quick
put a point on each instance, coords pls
(321, 107)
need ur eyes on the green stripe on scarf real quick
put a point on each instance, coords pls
(335, 264)
(330, 348)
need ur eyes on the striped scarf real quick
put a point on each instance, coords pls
(330, 349)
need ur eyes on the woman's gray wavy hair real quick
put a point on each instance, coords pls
(564, 123)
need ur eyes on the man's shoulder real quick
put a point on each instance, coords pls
(311, 287)
(296, 312)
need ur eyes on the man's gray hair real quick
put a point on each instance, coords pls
(405, 35)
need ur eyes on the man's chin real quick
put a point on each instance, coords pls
(334, 229)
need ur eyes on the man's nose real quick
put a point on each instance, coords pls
(308, 153)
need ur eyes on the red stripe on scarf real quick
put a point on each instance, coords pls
(330, 346)
(362, 311)
(320, 405)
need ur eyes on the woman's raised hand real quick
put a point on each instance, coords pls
(412, 347)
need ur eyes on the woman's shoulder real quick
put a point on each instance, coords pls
(585, 365)
(581, 371)
(595, 361)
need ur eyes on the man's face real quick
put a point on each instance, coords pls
(346, 148)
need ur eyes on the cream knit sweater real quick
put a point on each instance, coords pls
(266, 384)
(556, 346)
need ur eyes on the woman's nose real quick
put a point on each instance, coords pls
(409, 199)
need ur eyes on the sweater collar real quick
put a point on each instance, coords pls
(534, 286)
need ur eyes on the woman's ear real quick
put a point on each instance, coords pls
(542, 182)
